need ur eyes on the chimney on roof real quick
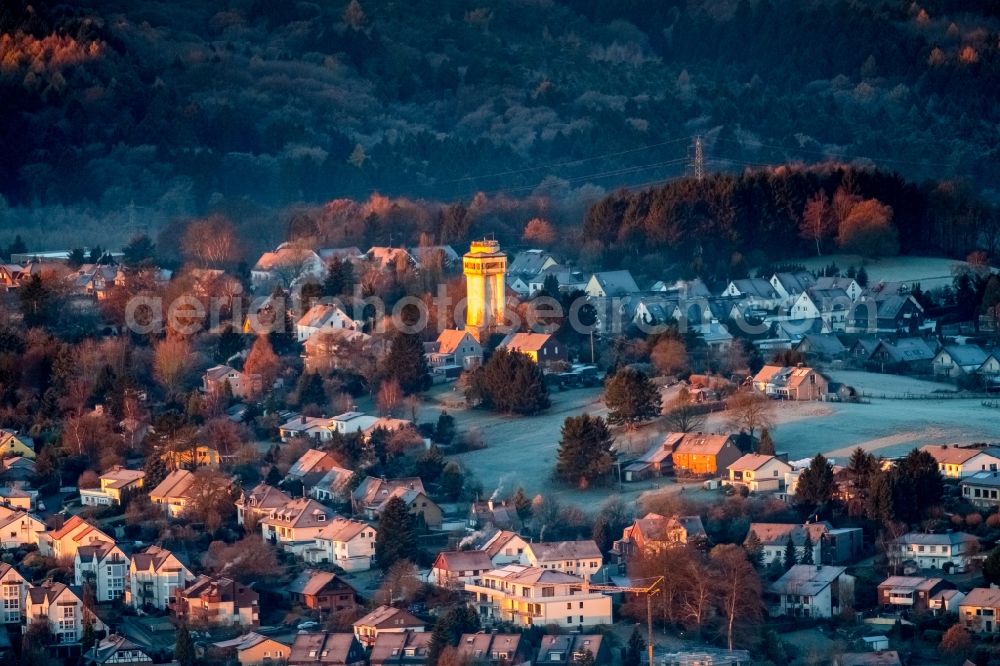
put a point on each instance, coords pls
(489, 502)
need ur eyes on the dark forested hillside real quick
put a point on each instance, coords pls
(178, 107)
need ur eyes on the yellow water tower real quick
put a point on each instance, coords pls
(484, 266)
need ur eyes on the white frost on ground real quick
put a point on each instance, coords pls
(930, 272)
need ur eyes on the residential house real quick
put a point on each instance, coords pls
(391, 257)
(657, 461)
(911, 355)
(349, 544)
(787, 383)
(569, 649)
(13, 588)
(443, 255)
(115, 649)
(217, 600)
(815, 591)
(979, 611)
(201, 455)
(287, 267)
(830, 306)
(334, 350)
(13, 444)
(296, 524)
(351, 254)
(323, 591)
(946, 601)
(115, 483)
(324, 648)
(543, 348)
(240, 384)
(373, 494)
(455, 568)
(714, 334)
(526, 596)
(568, 280)
(323, 318)
(261, 502)
(313, 465)
(654, 532)
(63, 543)
(982, 489)
(609, 284)
(754, 292)
(958, 360)
(821, 347)
(104, 567)
(948, 551)
(759, 473)
(493, 649)
(958, 462)
(850, 286)
(886, 313)
(580, 558)
(386, 619)
(500, 515)
(910, 593)
(789, 285)
(531, 262)
(154, 577)
(61, 608)
(12, 497)
(253, 649)
(699, 454)
(20, 528)
(455, 347)
(774, 538)
(505, 547)
(408, 648)
(173, 493)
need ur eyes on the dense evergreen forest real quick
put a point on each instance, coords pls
(119, 114)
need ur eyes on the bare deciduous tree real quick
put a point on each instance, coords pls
(750, 412)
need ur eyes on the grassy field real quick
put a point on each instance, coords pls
(521, 451)
(930, 272)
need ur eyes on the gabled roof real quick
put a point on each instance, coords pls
(311, 461)
(795, 283)
(827, 282)
(245, 642)
(323, 648)
(119, 477)
(375, 491)
(155, 558)
(940, 539)
(463, 560)
(966, 356)
(753, 461)
(616, 283)
(910, 583)
(221, 589)
(498, 541)
(264, 496)
(389, 617)
(528, 263)
(703, 444)
(562, 648)
(525, 342)
(107, 648)
(654, 527)
(49, 592)
(956, 455)
(807, 579)
(177, 484)
(311, 583)
(777, 534)
(342, 530)
(758, 287)
(320, 314)
(482, 645)
(218, 373)
(450, 338)
(983, 597)
(824, 343)
(390, 647)
(301, 513)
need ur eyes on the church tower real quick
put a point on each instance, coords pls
(485, 267)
